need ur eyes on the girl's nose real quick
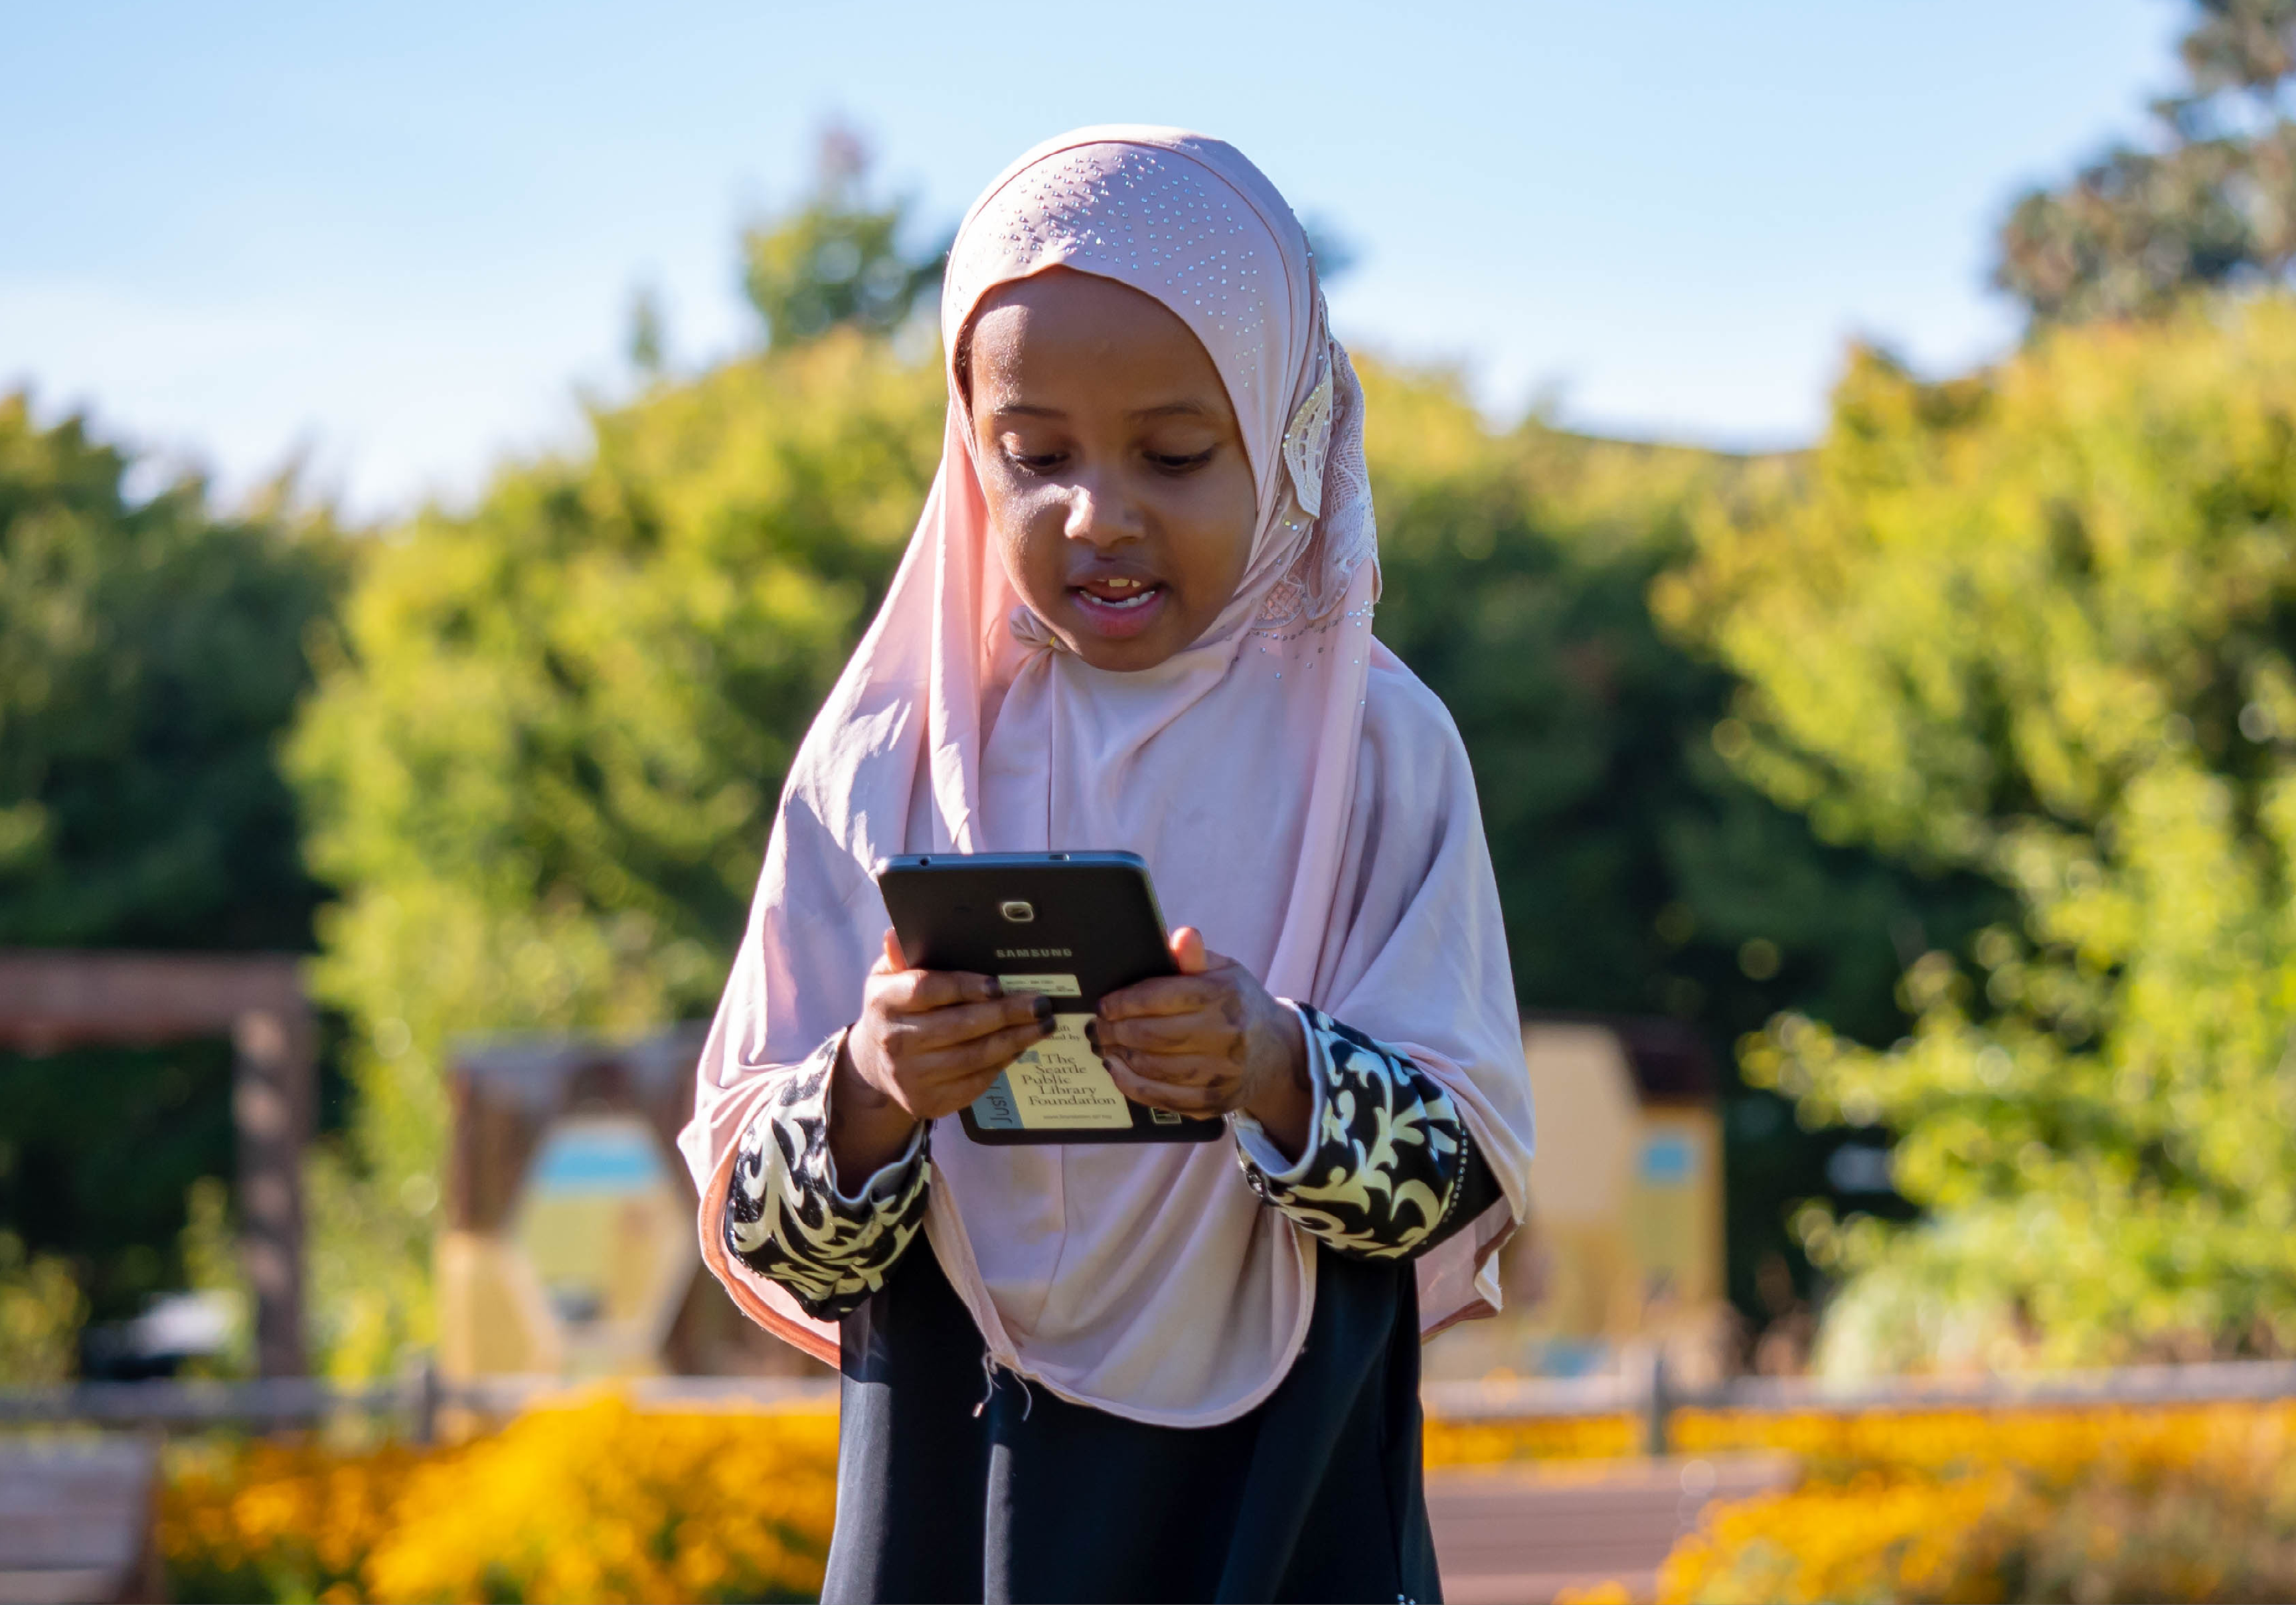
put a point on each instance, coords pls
(1100, 517)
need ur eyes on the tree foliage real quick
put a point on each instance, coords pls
(1639, 874)
(2212, 203)
(151, 653)
(837, 261)
(548, 739)
(2040, 623)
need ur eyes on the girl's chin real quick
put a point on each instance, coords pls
(1114, 621)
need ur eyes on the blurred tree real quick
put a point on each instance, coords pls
(837, 259)
(1639, 874)
(41, 1309)
(151, 656)
(550, 734)
(2040, 623)
(649, 338)
(2213, 203)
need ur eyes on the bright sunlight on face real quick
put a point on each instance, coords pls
(1112, 465)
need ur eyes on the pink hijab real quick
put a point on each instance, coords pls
(1298, 795)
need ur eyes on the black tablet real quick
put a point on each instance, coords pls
(1073, 926)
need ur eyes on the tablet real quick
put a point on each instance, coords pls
(1073, 926)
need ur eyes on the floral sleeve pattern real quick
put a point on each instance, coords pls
(786, 1219)
(1389, 1168)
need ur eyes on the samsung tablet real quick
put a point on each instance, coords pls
(1073, 926)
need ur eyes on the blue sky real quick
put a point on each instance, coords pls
(400, 239)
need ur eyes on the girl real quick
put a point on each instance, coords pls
(1136, 615)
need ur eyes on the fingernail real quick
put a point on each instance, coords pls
(1047, 1027)
(1044, 1008)
(995, 988)
(1091, 1034)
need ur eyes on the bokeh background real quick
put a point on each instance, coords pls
(1837, 463)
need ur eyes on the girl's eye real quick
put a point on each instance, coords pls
(1035, 462)
(1175, 464)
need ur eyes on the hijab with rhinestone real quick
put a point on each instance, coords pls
(1298, 796)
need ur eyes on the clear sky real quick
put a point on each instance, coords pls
(400, 238)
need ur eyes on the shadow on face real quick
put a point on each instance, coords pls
(1113, 467)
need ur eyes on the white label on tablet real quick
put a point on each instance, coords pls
(1061, 1083)
(1051, 986)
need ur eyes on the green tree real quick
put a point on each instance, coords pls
(151, 656)
(1639, 874)
(2038, 624)
(837, 260)
(2212, 203)
(549, 736)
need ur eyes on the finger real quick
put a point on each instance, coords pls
(969, 1022)
(915, 991)
(893, 961)
(1201, 1032)
(1166, 994)
(936, 1069)
(947, 1097)
(1198, 1103)
(1185, 1068)
(1188, 950)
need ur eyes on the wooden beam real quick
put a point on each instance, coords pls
(52, 1000)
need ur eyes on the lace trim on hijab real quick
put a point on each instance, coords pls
(1330, 490)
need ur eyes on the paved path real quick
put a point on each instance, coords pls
(1507, 1534)
(76, 1522)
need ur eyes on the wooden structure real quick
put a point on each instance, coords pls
(75, 1521)
(570, 1246)
(54, 1000)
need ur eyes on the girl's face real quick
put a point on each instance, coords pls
(1114, 470)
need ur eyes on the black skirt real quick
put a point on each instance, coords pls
(950, 1490)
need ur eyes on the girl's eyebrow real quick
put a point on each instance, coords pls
(1168, 409)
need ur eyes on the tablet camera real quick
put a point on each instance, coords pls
(1016, 910)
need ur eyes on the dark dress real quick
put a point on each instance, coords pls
(958, 1482)
(1312, 1495)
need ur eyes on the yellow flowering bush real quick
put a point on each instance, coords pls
(602, 1502)
(278, 1521)
(1482, 1442)
(2102, 1504)
(593, 1501)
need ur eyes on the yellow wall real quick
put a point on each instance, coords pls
(1626, 1197)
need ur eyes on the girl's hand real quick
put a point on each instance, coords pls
(928, 1042)
(1207, 1041)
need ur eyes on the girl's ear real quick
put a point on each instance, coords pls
(961, 359)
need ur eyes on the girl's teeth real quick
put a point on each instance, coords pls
(1128, 601)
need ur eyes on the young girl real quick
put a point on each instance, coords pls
(1136, 615)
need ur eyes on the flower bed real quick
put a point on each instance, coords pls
(589, 1502)
(596, 1500)
(2098, 1504)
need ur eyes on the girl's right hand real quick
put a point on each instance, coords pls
(928, 1042)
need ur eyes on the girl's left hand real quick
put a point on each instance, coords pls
(1207, 1041)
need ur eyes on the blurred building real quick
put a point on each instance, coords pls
(568, 1247)
(570, 1243)
(1624, 1251)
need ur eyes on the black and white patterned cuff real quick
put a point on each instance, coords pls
(1388, 1155)
(787, 1219)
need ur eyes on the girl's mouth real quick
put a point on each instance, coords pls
(1118, 607)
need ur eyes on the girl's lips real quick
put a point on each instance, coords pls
(1119, 619)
